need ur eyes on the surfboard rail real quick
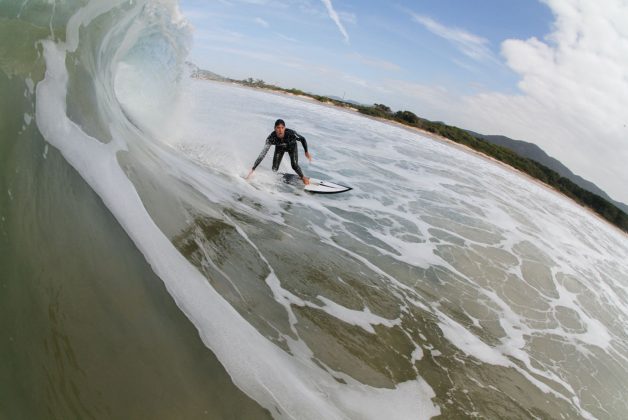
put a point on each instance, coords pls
(316, 186)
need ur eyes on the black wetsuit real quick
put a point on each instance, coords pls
(287, 144)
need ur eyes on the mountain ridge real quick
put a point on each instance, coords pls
(534, 152)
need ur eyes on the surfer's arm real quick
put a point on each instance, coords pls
(300, 138)
(304, 144)
(261, 155)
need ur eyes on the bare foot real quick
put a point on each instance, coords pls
(306, 180)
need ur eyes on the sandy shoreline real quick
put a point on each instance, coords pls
(437, 138)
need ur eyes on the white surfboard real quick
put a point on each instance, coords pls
(317, 186)
(325, 187)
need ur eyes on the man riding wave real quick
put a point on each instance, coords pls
(284, 140)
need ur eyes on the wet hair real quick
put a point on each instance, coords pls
(280, 122)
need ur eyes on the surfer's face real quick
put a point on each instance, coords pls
(280, 130)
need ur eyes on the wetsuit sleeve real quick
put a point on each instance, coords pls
(262, 154)
(302, 140)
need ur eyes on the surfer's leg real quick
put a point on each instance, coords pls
(277, 158)
(294, 161)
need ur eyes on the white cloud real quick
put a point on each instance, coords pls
(355, 80)
(331, 73)
(433, 101)
(258, 56)
(261, 22)
(218, 35)
(286, 38)
(348, 17)
(374, 62)
(574, 92)
(471, 45)
(334, 16)
(252, 2)
(256, 2)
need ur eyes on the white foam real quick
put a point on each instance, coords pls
(417, 355)
(471, 344)
(30, 85)
(364, 319)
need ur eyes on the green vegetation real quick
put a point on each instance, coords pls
(531, 167)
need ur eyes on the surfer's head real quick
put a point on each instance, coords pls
(280, 128)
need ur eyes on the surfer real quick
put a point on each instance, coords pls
(284, 140)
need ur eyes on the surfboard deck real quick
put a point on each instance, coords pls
(317, 186)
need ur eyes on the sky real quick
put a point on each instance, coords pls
(550, 72)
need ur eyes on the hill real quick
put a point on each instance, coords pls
(534, 152)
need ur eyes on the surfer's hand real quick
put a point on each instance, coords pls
(249, 175)
(306, 180)
(308, 156)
